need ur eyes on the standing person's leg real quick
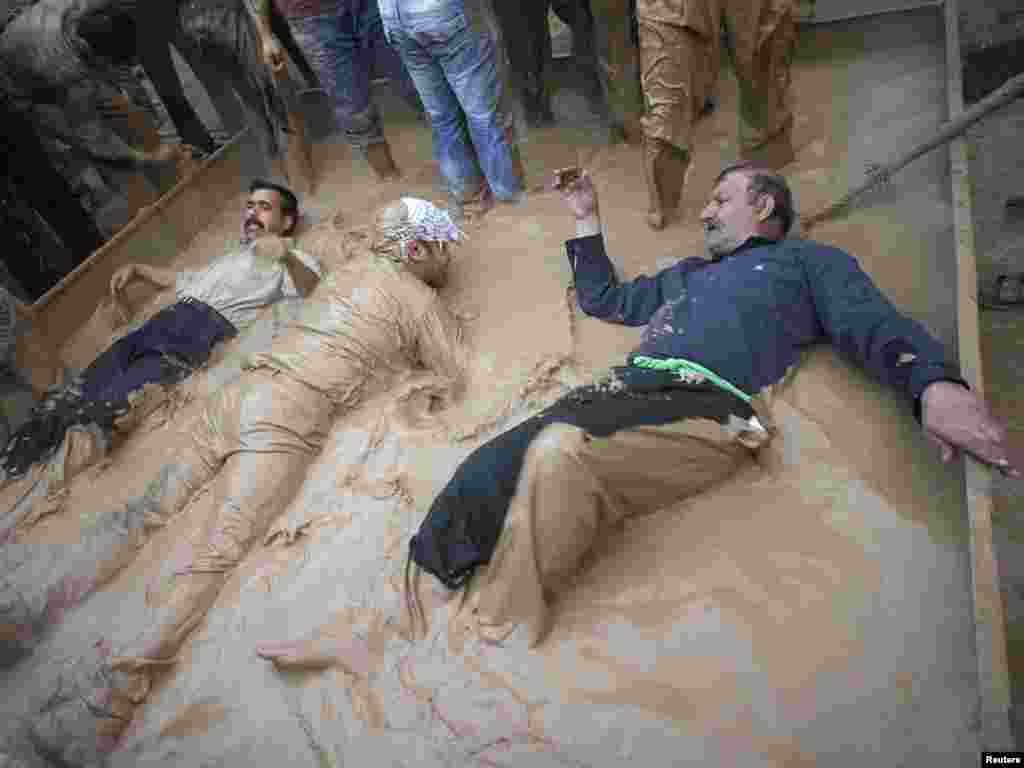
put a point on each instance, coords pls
(679, 63)
(385, 58)
(571, 485)
(577, 14)
(341, 59)
(453, 148)
(469, 58)
(762, 40)
(618, 64)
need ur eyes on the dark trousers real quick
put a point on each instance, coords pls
(166, 349)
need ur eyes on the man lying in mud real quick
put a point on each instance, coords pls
(212, 304)
(687, 411)
(377, 315)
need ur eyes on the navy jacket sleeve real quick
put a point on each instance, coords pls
(867, 329)
(601, 295)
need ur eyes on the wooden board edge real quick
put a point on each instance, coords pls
(989, 615)
(141, 217)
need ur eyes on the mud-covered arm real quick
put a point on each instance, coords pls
(441, 348)
(867, 329)
(601, 295)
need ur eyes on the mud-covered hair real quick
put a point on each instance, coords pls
(764, 181)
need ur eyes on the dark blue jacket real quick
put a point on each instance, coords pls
(747, 316)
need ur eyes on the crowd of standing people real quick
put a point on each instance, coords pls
(99, 123)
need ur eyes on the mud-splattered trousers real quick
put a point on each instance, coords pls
(456, 70)
(344, 48)
(256, 438)
(680, 58)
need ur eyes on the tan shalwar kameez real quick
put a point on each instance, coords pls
(680, 58)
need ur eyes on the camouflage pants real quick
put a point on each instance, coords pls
(680, 62)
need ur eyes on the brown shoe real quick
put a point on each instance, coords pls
(380, 160)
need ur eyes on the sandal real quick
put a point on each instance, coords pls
(1007, 293)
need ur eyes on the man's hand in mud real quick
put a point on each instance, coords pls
(121, 278)
(273, 54)
(956, 419)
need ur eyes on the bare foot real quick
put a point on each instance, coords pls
(320, 652)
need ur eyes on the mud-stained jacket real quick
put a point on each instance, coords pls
(748, 315)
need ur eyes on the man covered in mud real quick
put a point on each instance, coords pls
(211, 305)
(680, 59)
(689, 407)
(377, 315)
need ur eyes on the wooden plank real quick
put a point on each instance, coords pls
(155, 236)
(989, 615)
(825, 11)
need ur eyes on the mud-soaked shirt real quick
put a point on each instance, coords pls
(748, 315)
(366, 322)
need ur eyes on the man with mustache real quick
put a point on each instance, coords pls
(379, 314)
(687, 409)
(212, 304)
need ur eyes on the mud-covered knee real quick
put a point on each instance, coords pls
(554, 444)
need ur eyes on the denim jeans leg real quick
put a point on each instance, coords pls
(341, 61)
(471, 66)
(452, 145)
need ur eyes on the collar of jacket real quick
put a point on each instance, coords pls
(751, 242)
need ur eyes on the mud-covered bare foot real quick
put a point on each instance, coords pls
(320, 651)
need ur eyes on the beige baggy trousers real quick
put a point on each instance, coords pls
(572, 484)
(680, 59)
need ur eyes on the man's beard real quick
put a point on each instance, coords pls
(719, 243)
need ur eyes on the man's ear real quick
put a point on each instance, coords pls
(765, 207)
(290, 220)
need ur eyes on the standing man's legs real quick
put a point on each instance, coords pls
(571, 485)
(618, 62)
(469, 59)
(452, 145)
(679, 63)
(342, 61)
(762, 41)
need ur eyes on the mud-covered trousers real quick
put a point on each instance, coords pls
(680, 59)
(255, 440)
(633, 443)
(344, 49)
(456, 70)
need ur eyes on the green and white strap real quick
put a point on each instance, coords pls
(682, 367)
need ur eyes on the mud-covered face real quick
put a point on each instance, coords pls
(264, 215)
(732, 217)
(428, 261)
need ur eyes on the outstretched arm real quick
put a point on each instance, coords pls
(598, 290)
(870, 331)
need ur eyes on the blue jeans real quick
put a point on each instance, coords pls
(455, 69)
(343, 50)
